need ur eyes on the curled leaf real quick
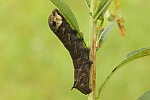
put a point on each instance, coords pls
(145, 96)
(131, 56)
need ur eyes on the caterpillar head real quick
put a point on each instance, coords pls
(54, 20)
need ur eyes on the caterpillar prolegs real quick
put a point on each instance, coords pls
(78, 52)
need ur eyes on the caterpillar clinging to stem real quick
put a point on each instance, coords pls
(78, 51)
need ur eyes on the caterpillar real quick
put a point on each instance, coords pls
(78, 52)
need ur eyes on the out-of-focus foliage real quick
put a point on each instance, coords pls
(34, 65)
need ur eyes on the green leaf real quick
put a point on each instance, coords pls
(134, 52)
(145, 96)
(88, 3)
(104, 35)
(102, 8)
(66, 11)
(107, 31)
(131, 56)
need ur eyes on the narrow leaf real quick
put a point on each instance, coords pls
(88, 3)
(102, 8)
(131, 56)
(104, 35)
(134, 52)
(145, 96)
(66, 11)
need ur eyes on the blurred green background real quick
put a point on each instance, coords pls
(34, 65)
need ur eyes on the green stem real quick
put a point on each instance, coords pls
(92, 41)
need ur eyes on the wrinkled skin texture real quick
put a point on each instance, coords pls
(74, 44)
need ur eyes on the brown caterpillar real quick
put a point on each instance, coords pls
(74, 44)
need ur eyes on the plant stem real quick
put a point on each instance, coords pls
(92, 41)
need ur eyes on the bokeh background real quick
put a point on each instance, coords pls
(34, 65)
